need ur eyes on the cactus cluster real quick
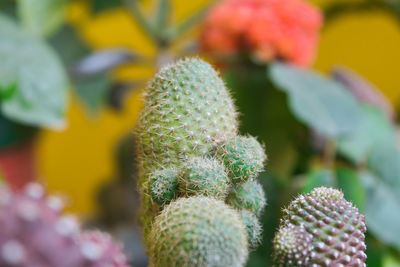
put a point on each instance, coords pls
(321, 229)
(200, 200)
(33, 232)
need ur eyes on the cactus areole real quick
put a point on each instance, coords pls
(191, 160)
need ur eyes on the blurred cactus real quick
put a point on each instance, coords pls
(34, 233)
(188, 145)
(321, 229)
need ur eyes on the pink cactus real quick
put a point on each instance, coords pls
(34, 233)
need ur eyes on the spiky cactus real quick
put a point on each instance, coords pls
(190, 152)
(198, 231)
(321, 229)
(34, 233)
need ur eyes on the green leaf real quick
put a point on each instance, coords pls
(319, 178)
(375, 129)
(42, 83)
(382, 209)
(162, 15)
(93, 91)
(321, 103)
(42, 17)
(350, 184)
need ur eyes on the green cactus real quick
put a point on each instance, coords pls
(253, 228)
(249, 195)
(204, 176)
(188, 116)
(243, 157)
(198, 231)
(163, 185)
(336, 227)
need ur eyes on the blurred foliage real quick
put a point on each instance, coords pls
(32, 80)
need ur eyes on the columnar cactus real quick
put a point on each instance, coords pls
(34, 233)
(190, 153)
(321, 229)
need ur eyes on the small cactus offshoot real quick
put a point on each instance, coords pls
(321, 229)
(191, 158)
(34, 233)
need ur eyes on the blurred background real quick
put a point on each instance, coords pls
(78, 141)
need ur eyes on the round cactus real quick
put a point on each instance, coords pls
(336, 227)
(34, 233)
(243, 158)
(253, 228)
(198, 231)
(163, 185)
(292, 246)
(204, 176)
(249, 195)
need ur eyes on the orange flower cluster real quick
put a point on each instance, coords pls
(267, 29)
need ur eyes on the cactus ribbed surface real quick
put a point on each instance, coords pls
(191, 158)
(34, 233)
(336, 227)
(198, 231)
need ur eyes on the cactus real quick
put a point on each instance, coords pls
(249, 196)
(190, 153)
(205, 177)
(253, 228)
(243, 157)
(198, 231)
(163, 185)
(335, 226)
(34, 233)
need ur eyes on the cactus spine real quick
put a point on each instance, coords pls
(190, 153)
(321, 229)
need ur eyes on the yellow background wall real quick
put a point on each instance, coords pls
(79, 159)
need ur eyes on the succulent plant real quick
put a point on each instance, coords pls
(163, 185)
(34, 233)
(253, 228)
(198, 231)
(204, 176)
(249, 195)
(335, 226)
(189, 157)
(243, 157)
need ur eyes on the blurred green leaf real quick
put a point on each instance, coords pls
(350, 184)
(317, 178)
(321, 103)
(102, 5)
(162, 15)
(390, 260)
(12, 133)
(375, 130)
(42, 17)
(382, 208)
(93, 91)
(41, 80)
(68, 45)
